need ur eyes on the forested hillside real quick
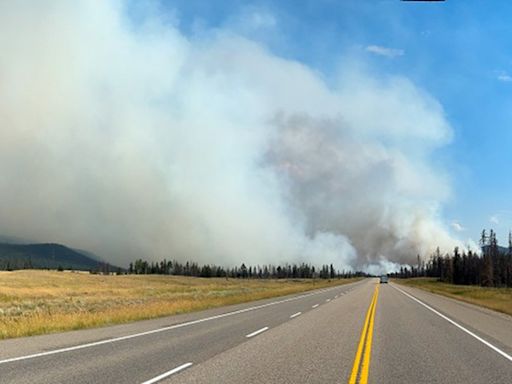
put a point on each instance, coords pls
(44, 256)
(491, 268)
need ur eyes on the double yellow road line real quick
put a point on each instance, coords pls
(365, 344)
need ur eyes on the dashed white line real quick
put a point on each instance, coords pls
(168, 373)
(316, 305)
(496, 349)
(336, 296)
(295, 315)
(328, 300)
(158, 330)
(256, 332)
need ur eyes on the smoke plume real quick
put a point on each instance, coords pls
(130, 139)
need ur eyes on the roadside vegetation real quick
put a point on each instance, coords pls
(482, 278)
(498, 299)
(37, 302)
(490, 268)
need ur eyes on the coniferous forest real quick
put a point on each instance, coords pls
(286, 271)
(492, 267)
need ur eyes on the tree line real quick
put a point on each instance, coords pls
(286, 271)
(491, 268)
(14, 264)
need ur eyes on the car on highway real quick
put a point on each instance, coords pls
(384, 279)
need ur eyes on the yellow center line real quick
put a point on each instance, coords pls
(355, 368)
(368, 349)
(366, 335)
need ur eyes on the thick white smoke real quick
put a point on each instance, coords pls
(132, 140)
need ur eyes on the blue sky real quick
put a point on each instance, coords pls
(459, 52)
(365, 132)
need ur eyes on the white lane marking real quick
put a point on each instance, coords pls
(328, 300)
(256, 332)
(168, 373)
(163, 329)
(295, 315)
(316, 305)
(496, 349)
(336, 296)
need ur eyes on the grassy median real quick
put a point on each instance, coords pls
(36, 302)
(498, 299)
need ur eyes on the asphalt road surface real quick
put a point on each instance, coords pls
(356, 333)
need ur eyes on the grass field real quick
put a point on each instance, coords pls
(498, 299)
(36, 302)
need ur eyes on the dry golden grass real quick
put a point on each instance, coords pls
(498, 299)
(36, 302)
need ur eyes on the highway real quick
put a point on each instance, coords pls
(363, 332)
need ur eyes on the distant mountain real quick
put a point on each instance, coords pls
(90, 255)
(14, 240)
(53, 256)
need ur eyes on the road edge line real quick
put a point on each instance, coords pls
(462, 328)
(163, 329)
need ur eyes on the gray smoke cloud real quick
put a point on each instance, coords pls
(133, 140)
